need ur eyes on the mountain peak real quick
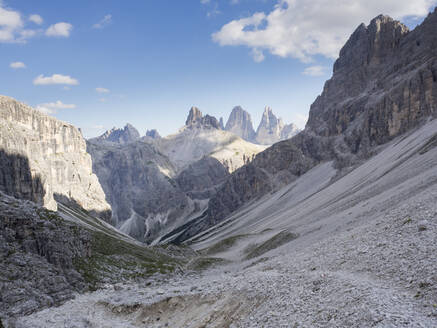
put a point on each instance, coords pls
(195, 115)
(370, 45)
(196, 119)
(154, 134)
(240, 123)
(121, 136)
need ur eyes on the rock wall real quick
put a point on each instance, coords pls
(54, 153)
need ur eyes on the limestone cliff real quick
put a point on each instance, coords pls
(45, 160)
(240, 123)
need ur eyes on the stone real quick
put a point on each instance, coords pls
(45, 160)
(240, 123)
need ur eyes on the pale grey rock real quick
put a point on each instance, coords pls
(201, 179)
(289, 131)
(196, 119)
(121, 136)
(139, 185)
(44, 160)
(240, 123)
(154, 134)
(269, 129)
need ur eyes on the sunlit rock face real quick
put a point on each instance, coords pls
(240, 123)
(45, 160)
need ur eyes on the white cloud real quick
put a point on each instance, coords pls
(10, 25)
(315, 70)
(55, 79)
(257, 55)
(204, 2)
(51, 108)
(102, 99)
(61, 29)
(102, 90)
(105, 21)
(17, 65)
(302, 29)
(37, 19)
(98, 127)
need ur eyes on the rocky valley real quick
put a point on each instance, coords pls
(219, 225)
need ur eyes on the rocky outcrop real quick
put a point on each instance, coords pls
(269, 129)
(154, 134)
(138, 183)
(384, 84)
(272, 129)
(37, 252)
(240, 123)
(196, 119)
(121, 136)
(45, 160)
(289, 131)
(201, 179)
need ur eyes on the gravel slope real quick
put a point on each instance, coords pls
(364, 256)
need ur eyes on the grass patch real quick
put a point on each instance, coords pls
(203, 263)
(224, 245)
(114, 259)
(279, 239)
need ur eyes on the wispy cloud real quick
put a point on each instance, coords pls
(37, 19)
(315, 70)
(17, 65)
(102, 90)
(105, 21)
(55, 79)
(61, 29)
(53, 107)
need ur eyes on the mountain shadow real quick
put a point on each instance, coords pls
(16, 178)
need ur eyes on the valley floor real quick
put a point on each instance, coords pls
(379, 274)
(361, 252)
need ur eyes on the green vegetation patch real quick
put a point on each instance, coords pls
(203, 263)
(224, 245)
(280, 239)
(114, 260)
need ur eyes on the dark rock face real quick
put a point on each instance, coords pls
(201, 179)
(384, 83)
(16, 168)
(121, 136)
(196, 119)
(37, 250)
(153, 134)
(240, 123)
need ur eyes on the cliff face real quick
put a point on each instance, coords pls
(54, 153)
(384, 84)
(240, 123)
(121, 136)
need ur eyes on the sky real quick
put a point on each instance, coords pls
(99, 64)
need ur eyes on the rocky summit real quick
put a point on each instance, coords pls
(240, 123)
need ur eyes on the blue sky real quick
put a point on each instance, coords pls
(147, 62)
